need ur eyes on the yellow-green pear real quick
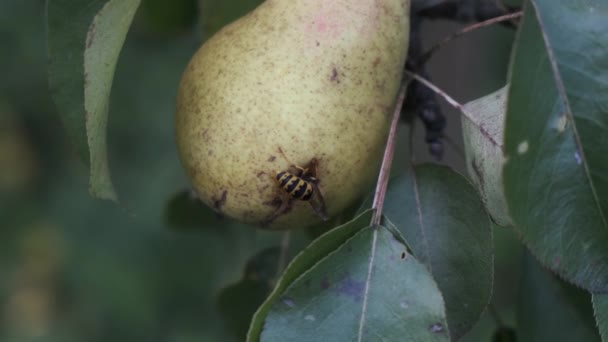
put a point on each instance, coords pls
(292, 82)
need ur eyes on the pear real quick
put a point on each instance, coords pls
(292, 82)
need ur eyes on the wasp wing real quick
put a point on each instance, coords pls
(317, 202)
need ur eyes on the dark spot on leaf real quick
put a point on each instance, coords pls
(437, 328)
(318, 43)
(272, 158)
(324, 283)
(351, 288)
(91, 34)
(260, 174)
(403, 255)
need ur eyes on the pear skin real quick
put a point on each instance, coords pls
(315, 79)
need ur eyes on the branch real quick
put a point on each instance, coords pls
(387, 160)
(427, 55)
(454, 104)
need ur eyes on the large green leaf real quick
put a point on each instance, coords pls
(369, 289)
(556, 138)
(600, 308)
(84, 41)
(316, 251)
(444, 222)
(552, 310)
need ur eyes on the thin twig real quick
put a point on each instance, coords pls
(454, 104)
(427, 55)
(387, 160)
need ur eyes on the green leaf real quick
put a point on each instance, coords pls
(316, 251)
(445, 224)
(84, 41)
(600, 309)
(368, 289)
(556, 138)
(552, 310)
(483, 138)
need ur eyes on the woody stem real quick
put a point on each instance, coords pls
(387, 160)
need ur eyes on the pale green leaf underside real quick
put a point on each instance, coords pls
(105, 39)
(484, 157)
(85, 40)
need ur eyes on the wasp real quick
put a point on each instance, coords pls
(300, 183)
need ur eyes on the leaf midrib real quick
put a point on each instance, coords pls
(561, 89)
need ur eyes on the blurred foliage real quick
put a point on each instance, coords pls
(551, 309)
(238, 302)
(77, 269)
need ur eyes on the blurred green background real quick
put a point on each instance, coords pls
(73, 268)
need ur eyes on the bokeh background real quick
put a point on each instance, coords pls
(153, 268)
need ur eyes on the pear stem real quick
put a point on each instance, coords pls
(387, 160)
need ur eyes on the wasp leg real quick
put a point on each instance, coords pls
(282, 208)
(312, 169)
(302, 170)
